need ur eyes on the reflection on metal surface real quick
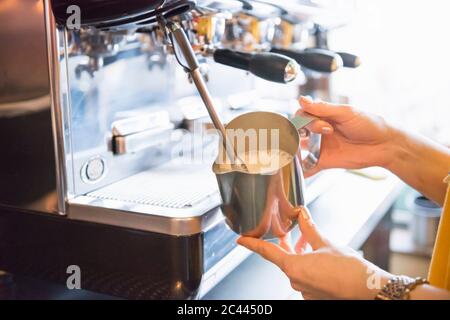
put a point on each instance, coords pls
(56, 41)
(291, 72)
(262, 204)
(135, 134)
(168, 199)
(16, 108)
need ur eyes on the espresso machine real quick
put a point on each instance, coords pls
(135, 205)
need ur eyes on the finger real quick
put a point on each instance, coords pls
(307, 296)
(286, 209)
(320, 126)
(309, 229)
(269, 251)
(301, 244)
(279, 228)
(285, 243)
(334, 112)
(280, 193)
(296, 286)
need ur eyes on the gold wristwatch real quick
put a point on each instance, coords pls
(399, 288)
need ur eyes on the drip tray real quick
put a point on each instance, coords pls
(176, 198)
(172, 185)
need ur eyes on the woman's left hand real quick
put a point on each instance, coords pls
(326, 272)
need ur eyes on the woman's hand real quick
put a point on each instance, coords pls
(328, 272)
(351, 139)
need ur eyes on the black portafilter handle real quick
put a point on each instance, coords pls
(350, 60)
(266, 65)
(320, 60)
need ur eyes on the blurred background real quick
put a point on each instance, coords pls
(403, 77)
(405, 71)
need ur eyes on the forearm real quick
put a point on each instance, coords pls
(420, 162)
(427, 292)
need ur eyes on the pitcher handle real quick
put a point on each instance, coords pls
(314, 143)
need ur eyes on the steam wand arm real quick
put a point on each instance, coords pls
(186, 58)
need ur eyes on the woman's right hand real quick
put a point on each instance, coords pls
(350, 139)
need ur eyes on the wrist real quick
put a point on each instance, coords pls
(383, 279)
(401, 288)
(396, 150)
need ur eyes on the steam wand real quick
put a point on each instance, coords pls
(187, 59)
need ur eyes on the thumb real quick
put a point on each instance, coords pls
(268, 250)
(309, 230)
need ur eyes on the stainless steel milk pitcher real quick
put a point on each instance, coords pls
(261, 204)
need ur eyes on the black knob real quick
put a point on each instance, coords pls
(350, 60)
(266, 65)
(320, 60)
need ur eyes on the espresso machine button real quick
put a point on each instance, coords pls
(93, 170)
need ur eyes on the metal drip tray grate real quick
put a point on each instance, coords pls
(172, 185)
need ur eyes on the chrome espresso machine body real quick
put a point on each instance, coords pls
(134, 207)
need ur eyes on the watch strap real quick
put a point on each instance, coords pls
(399, 288)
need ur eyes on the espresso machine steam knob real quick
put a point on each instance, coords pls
(350, 60)
(320, 60)
(274, 67)
(266, 65)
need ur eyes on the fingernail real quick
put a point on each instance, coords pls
(327, 130)
(302, 211)
(306, 216)
(307, 99)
